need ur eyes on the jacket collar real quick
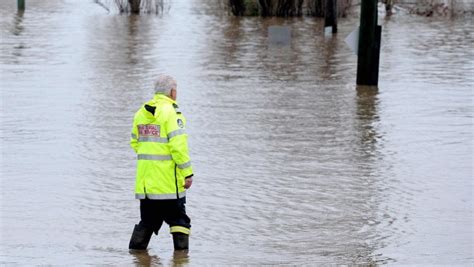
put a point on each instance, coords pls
(162, 97)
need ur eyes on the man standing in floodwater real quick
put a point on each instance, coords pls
(164, 169)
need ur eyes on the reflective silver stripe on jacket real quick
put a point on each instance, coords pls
(184, 165)
(154, 157)
(134, 136)
(152, 139)
(175, 133)
(140, 196)
(160, 196)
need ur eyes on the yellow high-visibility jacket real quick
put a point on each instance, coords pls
(160, 141)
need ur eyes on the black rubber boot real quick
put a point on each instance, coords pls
(180, 241)
(140, 237)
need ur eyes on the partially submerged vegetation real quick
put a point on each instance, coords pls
(135, 6)
(285, 8)
(438, 8)
(295, 8)
(316, 8)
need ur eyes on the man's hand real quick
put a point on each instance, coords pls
(188, 182)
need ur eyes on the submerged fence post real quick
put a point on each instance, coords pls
(21, 4)
(388, 7)
(369, 45)
(330, 15)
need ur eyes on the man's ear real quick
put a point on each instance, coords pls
(173, 94)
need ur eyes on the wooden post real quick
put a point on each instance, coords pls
(388, 7)
(21, 4)
(369, 45)
(330, 15)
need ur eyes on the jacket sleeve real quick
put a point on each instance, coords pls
(178, 143)
(134, 136)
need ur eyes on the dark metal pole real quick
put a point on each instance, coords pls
(369, 45)
(21, 4)
(330, 15)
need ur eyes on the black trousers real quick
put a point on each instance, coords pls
(173, 212)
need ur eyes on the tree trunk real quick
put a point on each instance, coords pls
(343, 7)
(289, 8)
(237, 7)
(317, 8)
(300, 8)
(266, 7)
(134, 6)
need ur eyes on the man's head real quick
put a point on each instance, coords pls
(166, 85)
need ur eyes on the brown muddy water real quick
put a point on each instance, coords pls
(293, 164)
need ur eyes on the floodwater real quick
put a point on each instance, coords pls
(293, 164)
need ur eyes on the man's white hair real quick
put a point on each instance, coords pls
(164, 84)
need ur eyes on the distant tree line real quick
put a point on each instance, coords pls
(285, 8)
